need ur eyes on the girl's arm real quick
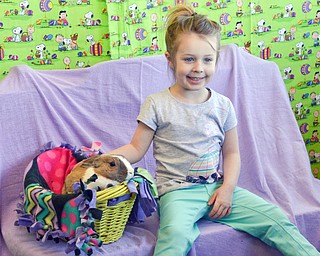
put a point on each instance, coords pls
(222, 198)
(138, 146)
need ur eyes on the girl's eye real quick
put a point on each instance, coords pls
(188, 59)
(208, 60)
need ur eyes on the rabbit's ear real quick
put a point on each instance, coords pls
(122, 165)
(90, 162)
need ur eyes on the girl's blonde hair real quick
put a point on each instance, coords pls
(183, 19)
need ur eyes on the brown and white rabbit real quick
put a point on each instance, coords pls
(109, 170)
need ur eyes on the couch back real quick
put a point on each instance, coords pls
(101, 103)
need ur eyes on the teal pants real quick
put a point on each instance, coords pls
(181, 209)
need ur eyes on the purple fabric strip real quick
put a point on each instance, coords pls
(115, 201)
(144, 205)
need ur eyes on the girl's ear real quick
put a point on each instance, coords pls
(168, 56)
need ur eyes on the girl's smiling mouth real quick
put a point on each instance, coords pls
(195, 78)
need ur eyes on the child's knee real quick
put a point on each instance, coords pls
(175, 240)
(180, 234)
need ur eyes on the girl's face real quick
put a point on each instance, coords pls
(194, 62)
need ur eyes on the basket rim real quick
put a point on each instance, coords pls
(114, 191)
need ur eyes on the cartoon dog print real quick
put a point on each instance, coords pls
(23, 5)
(125, 39)
(88, 20)
(132, 11)
(261, 45)
(299, 108)
(17, 34)
(90, 39)
(288, 10)
(299, 48)
(281, 35)
(40, 48)
(318, 99)
(287, 71)
(67, 42)
(251, 5)
(260, 25)
(88, 17)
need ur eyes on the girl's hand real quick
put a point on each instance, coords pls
(221, 201)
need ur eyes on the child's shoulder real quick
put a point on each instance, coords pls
(159, 95)
(218, 96)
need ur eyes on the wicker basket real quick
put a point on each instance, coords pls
(114, 218)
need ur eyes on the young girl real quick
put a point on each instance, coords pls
(190, 126)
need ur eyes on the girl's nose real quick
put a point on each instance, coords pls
(197, 68)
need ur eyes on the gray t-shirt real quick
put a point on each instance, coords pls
(188, 137)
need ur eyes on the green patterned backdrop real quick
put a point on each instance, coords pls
(71, 34)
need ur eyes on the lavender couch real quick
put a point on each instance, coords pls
(101, 103)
